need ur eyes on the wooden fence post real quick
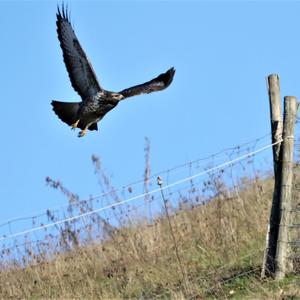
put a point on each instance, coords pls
(290, 111)
(276, 127)
(276, 117)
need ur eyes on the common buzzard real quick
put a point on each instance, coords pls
(96, 101)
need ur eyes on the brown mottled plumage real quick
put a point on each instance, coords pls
(96, 101)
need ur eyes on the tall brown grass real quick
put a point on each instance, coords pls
(138, 259)
(203, 246)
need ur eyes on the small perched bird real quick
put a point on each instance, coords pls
(96, 101)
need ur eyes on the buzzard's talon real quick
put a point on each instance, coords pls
(74, 125)
(82, 133)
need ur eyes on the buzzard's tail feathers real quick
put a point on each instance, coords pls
(66, 111)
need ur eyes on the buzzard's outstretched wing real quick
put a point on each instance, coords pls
(157, 84)
(81, 73)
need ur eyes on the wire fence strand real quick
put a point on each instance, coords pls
(113, 205)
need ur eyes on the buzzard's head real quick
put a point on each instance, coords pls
(117, 96)
(112, 96)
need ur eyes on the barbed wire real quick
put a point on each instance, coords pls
(126, 213)
(113, 205)
(238, 149)
(196, 201)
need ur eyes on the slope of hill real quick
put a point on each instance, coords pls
(217, 253)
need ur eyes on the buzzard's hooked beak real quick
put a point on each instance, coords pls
(117, 96)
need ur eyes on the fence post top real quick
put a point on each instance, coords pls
(272, 77)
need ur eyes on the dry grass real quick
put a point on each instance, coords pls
(216, 241)
(220, 247)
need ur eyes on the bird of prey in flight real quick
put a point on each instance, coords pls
(96, 101)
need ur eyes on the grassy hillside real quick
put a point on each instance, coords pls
(202, 251)
(207, 244)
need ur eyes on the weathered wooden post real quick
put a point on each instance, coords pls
(276, 127)
(290, 111)
(276, 117)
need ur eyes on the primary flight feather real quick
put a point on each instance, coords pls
(96, 101)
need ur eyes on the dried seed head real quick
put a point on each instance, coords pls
(159, 181)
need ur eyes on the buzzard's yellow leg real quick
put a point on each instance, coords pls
(83, 132)
(73, 126)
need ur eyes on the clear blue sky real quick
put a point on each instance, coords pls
(222, 52)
